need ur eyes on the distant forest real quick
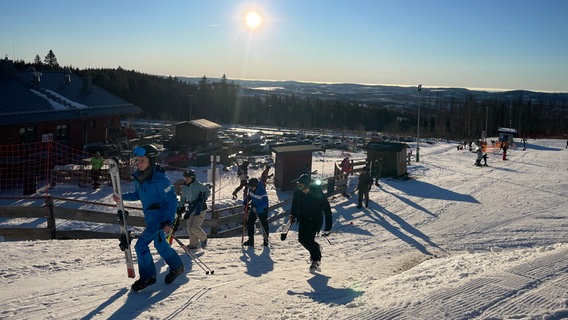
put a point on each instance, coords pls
(222, 101)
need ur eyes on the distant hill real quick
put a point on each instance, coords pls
(387, 95)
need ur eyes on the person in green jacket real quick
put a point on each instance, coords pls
(96, 166)
(376, 168)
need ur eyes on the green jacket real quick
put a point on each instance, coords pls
(97, 163)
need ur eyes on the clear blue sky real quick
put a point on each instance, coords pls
(493, 44)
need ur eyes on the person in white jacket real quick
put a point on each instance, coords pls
(195, 194)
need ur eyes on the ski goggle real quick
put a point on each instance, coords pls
(139, 152)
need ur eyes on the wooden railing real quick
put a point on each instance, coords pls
(52, 208)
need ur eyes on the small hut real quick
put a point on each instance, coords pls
(506, 136)
(394, 157)
(199, 132)
(290, 161)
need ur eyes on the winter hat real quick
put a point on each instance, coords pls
(304, 179)
(253, 183)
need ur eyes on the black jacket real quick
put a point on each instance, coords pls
(312, 207)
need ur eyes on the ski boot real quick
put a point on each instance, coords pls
(170, 277)
(142, 283)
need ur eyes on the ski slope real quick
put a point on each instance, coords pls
(454, 242)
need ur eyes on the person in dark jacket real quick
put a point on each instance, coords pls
(242, 173)
(309, 206)
(258, 208)
(265, 175)
(364, 186)
(159, 201)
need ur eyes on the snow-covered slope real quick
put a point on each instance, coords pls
(454, 242)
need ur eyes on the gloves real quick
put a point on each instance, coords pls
(186, 215)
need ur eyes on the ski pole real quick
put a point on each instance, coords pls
(264, 233)
(195, 258)
(245, 214)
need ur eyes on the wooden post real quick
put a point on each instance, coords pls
(214, 213)
(50, 217)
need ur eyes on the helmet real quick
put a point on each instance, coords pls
(253, 183)
(189, 173)
(147, 150)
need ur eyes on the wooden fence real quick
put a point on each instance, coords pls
(54, 208)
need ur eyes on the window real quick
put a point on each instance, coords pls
(62, 134)
(27, 134)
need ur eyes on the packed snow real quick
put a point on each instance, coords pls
(455, 241)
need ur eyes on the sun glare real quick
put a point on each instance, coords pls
(253, 20)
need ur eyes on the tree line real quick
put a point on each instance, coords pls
(463, 116)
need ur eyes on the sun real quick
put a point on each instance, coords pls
(253, 20)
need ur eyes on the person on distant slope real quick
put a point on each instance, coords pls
(479, 156)
(96, 166)
(153, 188)
(242, 172)
(196, 194)
(309, 206)
(258, 208)
(364, 186)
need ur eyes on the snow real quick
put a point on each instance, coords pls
(454, 242)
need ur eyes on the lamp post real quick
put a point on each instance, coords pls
(418, 126)
(190, 98)
(486, 117)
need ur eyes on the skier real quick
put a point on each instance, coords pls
(376, 169)
(242, 172)
(96, 165)
(364, 186)
(196, 194)
(153, 188)
(265, 174)
(505, 148)
(346, 167)
(309, 205)
(479, 157)
(258, 208)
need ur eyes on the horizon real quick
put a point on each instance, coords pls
(373, 84)
(503, 46)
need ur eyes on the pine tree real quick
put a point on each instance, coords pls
(51, 60)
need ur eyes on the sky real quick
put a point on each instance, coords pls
(455, 241)
(509, 44)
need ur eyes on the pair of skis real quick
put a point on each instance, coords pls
(125, 238)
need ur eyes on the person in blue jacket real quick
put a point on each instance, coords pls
(257, 200)
(159, 201)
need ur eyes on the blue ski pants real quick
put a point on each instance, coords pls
(146, 267)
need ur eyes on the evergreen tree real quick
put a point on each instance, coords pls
(37, 62)
(51, 60)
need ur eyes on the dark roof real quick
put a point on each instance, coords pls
(52, 99)
(296, 148)
(386, 146)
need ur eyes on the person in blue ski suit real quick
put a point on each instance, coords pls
(159, 201)
(257, 200)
